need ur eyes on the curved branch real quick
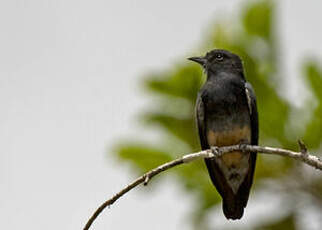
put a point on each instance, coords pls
(214, 152)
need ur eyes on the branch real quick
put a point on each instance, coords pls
(214, 152)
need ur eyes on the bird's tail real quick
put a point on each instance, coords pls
(233, 208)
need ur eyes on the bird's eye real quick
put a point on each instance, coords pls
(219, 57)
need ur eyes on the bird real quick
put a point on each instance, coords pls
(226, 114)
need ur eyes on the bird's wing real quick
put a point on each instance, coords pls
(251, 99)
(214, 172)
(243, 191)
(201, 122)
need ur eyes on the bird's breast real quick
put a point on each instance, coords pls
(234, 165)
(233, 136)
(230, 136)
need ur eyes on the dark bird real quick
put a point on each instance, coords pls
(226, 114)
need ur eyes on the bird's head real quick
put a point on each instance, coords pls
(219, 60)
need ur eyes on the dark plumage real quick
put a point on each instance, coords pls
(226, 114)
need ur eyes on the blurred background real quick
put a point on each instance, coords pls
(95, 93)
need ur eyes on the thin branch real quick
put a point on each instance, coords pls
(214, 152)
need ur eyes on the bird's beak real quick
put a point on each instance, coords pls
(201, 60)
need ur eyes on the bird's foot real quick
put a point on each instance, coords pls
(215, 150)
(243, 147)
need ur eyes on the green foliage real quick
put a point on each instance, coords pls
(143, 156)
(254, 39)
(288, 222)
(171, 84)
(313, 134)
(260, 10)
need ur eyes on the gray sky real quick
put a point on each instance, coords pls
(69, 74)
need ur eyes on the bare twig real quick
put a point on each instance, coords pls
(303, 156)
(303, 148)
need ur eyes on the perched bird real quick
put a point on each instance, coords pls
(226, 114)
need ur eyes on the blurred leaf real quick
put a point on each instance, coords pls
(313, 134)
(287, 222)
(257, 19)
(143, 156)
(314, 76)
(184, 82)
(182, 128)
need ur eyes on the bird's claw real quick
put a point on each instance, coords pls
(215, 150)
(243, 147)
